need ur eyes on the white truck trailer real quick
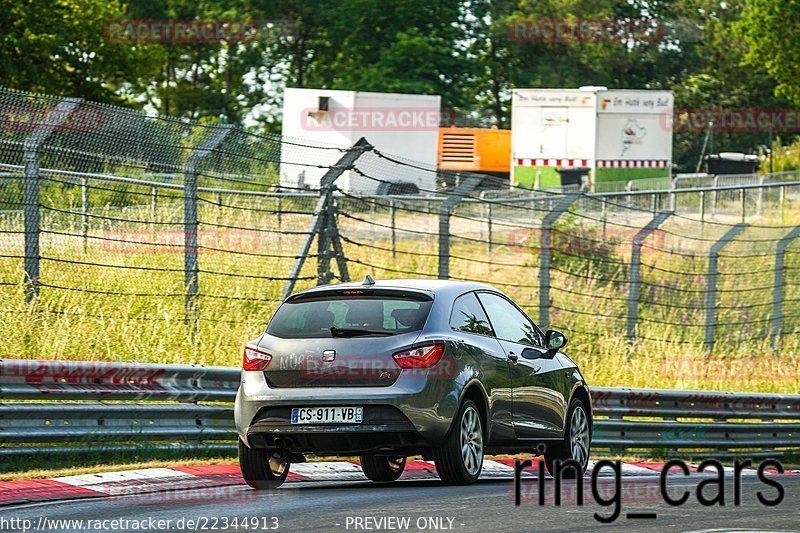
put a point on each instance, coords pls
(615, 134)
(403, 125)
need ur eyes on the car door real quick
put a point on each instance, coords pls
(469, 320)
(538, 382)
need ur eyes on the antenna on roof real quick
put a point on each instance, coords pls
(368, 280)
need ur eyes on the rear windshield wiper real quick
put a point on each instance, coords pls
(356, 332)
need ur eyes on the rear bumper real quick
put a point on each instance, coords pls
(410, 415)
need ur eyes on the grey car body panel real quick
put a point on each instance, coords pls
(526, 401)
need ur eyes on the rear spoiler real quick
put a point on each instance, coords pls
(359, 292)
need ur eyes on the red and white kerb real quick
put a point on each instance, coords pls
(618, 163)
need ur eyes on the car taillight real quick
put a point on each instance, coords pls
(420, 357)
(255, 359)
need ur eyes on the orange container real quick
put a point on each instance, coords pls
(475, 149)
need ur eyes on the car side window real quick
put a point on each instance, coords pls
(510, 323)
(468, 316)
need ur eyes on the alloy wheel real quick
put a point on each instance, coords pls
(471, 440)
(579, 436)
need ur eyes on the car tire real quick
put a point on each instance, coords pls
(460, 458)
(261, 469)
(382, 467)
(576, 444)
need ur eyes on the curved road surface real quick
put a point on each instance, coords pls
(420, 505)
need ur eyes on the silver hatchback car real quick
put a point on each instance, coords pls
(385, 370)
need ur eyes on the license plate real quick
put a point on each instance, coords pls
(327, 415)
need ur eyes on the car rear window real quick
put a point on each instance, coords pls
(314, 318)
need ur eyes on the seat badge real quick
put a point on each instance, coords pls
(328, 356)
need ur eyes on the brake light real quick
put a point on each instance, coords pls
(420, 357)
(255, 359)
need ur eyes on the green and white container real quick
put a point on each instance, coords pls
(619, 135)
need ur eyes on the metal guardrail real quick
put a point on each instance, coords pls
(72, 406)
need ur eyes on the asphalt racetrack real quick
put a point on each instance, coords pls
(421, 505)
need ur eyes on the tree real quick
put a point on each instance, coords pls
(771, 31)
(59, 47)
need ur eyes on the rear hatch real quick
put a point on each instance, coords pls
(343, 337)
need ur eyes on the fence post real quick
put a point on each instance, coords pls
(777, 291)
(190, 195)
(783, 201)
(489, 229)
(715, 196)
(31, 198)
(322, 217)
(445, 210)
(85, 212)
(742, 197)
(713, 273)
(392, 222)
(153, 205)
(672, 194)
(604, 217)
(545, 255)
(760, 199)
(702, 213)
(636, 270)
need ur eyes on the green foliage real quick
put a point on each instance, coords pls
(714, 54)
(770, 30)
(785, 156)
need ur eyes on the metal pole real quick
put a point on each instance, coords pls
(635, 272)
(85, 212)
(490, 244)
(783, 201)
(190, 221)
(778, 287)
(672, 195)
(219, 208)
(604, 217)
(394, 232)
(324, 240)
(711, 290)
(372, 217)
(153, 203)
(464, 187)
(545, 255)
(702, 213)
(714, 198)
(742, 199)
(31, 195)
(280, 221)
(321, 210)
(760, 199)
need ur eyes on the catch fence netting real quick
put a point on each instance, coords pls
(125, 236)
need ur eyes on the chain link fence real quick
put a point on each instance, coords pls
(125, 236)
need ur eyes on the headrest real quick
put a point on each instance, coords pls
(406, 317)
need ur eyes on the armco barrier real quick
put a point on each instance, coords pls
(128, 406)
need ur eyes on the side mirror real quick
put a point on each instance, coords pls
(554, 341)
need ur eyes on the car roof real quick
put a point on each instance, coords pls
(436, 286)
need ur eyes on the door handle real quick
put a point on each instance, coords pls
(513, 357)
